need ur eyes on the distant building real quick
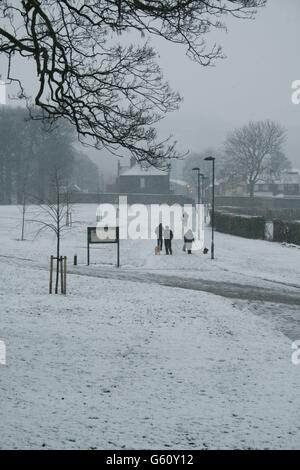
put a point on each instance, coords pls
(230, 188)
(73, 188)
(147, 185)
(144, 180)
(288, 184)
(138, 179)
(181, 187)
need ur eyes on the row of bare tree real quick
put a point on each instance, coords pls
(29, 153)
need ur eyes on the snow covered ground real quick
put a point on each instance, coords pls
(122, 364)
(237, 259)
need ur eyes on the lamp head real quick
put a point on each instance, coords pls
(209, 159)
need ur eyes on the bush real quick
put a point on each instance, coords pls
(269, 214)
(288, 232)
(240, 225)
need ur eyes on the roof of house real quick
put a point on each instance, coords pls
(179, 182)
(138, 170)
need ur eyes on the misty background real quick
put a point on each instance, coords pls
(253, 82)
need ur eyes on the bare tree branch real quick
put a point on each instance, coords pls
(249, 150)
(113, 93)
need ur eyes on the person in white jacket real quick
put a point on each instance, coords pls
(188, 241)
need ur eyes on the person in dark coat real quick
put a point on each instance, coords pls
(168, 237)
(159, 235)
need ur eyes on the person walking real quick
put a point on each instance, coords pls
(168, 237)
(188, 241)
(159, 235)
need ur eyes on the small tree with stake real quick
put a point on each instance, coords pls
(56, 209)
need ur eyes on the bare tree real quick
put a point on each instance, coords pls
(197, 160)
(28, 154)
(112, 92)
(53, 215)
(249, 150)
(278, 164)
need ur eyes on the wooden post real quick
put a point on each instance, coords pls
(51, 274)
(118, 253)
(88, 248)
(61, 275)
(65, 275)
(118, 246)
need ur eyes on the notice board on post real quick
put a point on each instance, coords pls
(96, 235)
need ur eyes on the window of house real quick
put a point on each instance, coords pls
(142, 183)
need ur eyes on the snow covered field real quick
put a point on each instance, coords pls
(122, 364)
(237, 259)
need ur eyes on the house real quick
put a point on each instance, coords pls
(288, 184)
(146, 185)
(144, 180)
(138, 179)
(291, 182)
(181, 187)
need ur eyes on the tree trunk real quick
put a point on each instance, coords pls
(57, 262)
(57, 235)
(251, 188)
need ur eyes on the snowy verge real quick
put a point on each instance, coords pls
(123, 365)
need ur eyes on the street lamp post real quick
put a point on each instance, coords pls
(212, 159)
(200, 194)
(205, 183)
(198, 187)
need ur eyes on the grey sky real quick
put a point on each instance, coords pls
(253, 82)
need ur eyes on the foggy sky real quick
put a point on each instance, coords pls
(252, 83)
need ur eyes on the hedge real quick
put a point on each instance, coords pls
(269, 214)
(288, 232)
(242, 226)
